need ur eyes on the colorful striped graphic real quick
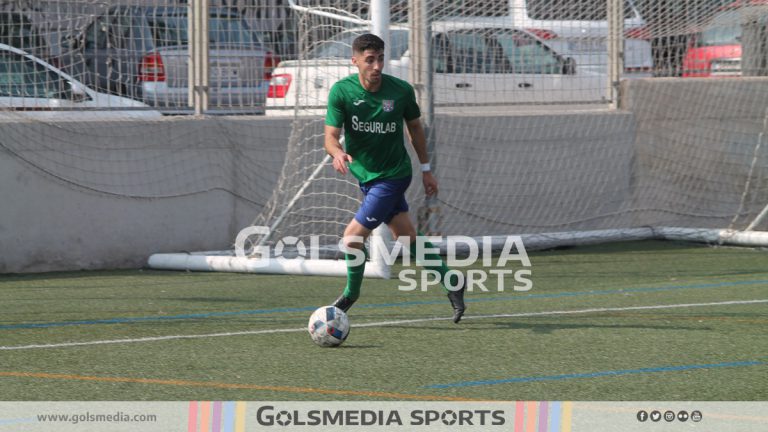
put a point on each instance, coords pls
(531, 409)
(556, 413)
(228, 412)
(192, 422)
(567, 410)
(240, 417)
(205, 416)
(543, 416)
(216, 422)
(216, 417)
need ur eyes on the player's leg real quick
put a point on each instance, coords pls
(402, 227)
(379, 198)
(354, 238)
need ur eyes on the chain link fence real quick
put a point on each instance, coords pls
(138, 49)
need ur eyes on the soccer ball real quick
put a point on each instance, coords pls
(328, 326)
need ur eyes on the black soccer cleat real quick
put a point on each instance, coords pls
(343, 303)
(457, 301)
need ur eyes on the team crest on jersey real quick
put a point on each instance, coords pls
(388, 105)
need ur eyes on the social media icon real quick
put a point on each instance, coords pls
(655, 416)
(642, 416)
(696, 416)
(682, 416)
(669, 416)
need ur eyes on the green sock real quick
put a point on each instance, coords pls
(354, 277)
(442, 268)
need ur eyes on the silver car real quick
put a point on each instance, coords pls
(579, 29)
(32, 88)
(142, 52)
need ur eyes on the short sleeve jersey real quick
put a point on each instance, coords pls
(373, 125)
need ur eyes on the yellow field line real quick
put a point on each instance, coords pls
(230, 386)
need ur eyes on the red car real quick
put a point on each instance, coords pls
(716, 50)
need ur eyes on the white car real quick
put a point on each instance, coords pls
(30, 87)
(477, 63)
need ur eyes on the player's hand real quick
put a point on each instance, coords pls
(430, 183)
(340, 162)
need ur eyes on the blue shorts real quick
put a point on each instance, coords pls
(382, 200)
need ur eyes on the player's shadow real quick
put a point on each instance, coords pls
(546, 328)
(345, 347)
(207, 299)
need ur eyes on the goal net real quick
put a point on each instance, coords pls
(524, 140)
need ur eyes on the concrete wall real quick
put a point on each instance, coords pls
(561, 171)
(700, 153)
(46, 225)
(117, 192)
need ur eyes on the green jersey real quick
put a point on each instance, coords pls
(373, 125)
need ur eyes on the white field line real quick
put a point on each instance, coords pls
(380, 324)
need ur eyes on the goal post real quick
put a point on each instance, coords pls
(311, 204)
(377, 267)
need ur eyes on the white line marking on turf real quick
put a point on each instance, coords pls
(381, 323)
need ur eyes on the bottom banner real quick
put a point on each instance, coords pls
(523, 416)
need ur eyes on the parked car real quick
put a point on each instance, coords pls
(715, 51)
(579, 29)
(142, 52)
(17, 30)
(473, 63)
(573, 28)
(30, 85)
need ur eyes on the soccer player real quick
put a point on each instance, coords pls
(371, 106)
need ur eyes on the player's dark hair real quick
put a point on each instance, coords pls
(366, 42)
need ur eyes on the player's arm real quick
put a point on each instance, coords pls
(334, 120)
(336, 150)
(419, 142)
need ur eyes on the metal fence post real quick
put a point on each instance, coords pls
(615, 12)
(198, 58)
